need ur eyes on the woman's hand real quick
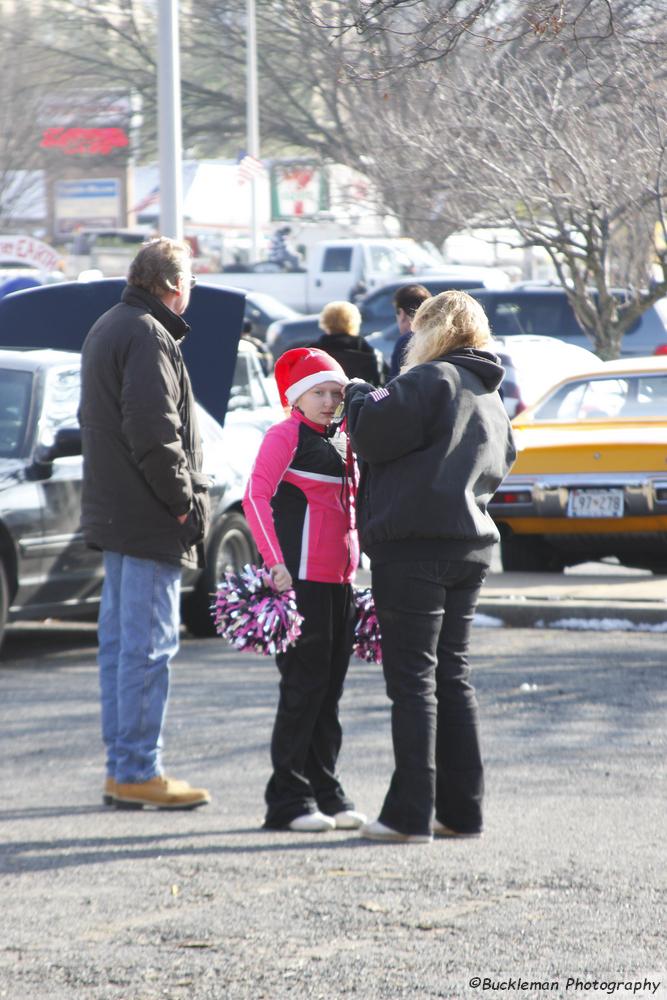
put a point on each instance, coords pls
(281, 577)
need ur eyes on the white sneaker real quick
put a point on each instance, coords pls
(348, 819)
(315, 822)
(378, 831)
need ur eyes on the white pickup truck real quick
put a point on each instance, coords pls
(336, 269)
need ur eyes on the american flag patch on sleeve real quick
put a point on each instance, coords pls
(379, 394)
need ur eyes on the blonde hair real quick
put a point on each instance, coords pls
(445, 323)
(159, 265)
(340, 317)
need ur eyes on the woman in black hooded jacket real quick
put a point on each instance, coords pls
(435, 444)
(341, 322)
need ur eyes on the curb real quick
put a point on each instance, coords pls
(521, 612)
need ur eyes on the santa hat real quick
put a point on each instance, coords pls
(300, 369)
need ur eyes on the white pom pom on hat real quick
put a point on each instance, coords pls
(300, 369)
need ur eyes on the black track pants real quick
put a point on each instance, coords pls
(307, 734)
(425, 609)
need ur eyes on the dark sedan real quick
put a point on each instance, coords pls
(544, 310)
(261, 310)
(45, 568)
(377, 312)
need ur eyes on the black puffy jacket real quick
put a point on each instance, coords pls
(355, 356)
(436, 443)
(141, 446)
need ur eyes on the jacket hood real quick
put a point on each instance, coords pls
(484, 364)
(141, 299)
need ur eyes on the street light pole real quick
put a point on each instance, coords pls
(252, 121)
(170, 140)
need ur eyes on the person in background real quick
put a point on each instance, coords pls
(436, 443)
(280, 251)
(407, 301)
(341, 322)
(263, 353)
(145, 505)
(299, 504)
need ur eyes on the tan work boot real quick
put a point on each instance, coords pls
(159, 793)
(109, 793)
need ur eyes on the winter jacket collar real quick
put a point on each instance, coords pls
(298, 415)
(344, 342)
(484, 364)
(141, 299)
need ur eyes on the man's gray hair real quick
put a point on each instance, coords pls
(159, 265)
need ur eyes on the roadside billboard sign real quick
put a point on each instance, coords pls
(299, 189)
(84, 203)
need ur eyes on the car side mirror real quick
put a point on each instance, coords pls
(66, 443)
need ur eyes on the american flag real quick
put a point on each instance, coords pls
(248, 167)
(150, 199)
(379, 394)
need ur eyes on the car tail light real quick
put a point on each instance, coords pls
(661, 349)
(512, 496)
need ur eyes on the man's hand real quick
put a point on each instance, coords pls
(182, 518)
(282, 578)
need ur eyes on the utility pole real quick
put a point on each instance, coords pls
(252, 121)
(170, 139)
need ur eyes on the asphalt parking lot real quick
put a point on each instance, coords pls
(566, 890)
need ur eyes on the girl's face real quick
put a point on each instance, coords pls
(320, 403)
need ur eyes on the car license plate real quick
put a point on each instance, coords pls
(595, 503)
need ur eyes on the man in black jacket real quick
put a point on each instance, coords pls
(145, 505)
(341, 322)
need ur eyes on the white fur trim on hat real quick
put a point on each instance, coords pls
(304, 384)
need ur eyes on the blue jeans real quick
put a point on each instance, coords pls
(138, 634)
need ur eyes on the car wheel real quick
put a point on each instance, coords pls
(231, 548)
(4, 600)
(528, 554)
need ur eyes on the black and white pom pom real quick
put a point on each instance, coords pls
(367, 628)
(254, 617)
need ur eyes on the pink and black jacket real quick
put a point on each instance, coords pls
(299, 502)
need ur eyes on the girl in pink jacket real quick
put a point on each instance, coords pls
(299, 504)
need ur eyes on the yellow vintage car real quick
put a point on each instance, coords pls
(590, 479)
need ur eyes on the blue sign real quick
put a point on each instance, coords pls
(108, 188)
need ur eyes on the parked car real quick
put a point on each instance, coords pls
(590, 479)
(334, 269)
(108, 251)
(377, 310)
(45, 567)
(254, 405)
(545, 310)
(533, 364)
(60, 315)
(261, 310)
